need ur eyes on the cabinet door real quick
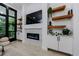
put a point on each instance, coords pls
(52, 42)
(65, 44)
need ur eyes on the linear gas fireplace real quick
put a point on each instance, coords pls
(34, 36)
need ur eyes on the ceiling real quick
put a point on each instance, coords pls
(18, 5)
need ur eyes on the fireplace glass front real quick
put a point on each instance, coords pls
(34, 36)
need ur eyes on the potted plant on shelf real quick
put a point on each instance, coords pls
(66, 31)
(49, 11)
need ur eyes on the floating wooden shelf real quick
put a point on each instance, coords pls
(62, 17)
(19, 23)
(51, 27)
(60, 8)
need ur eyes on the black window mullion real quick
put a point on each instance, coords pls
(2, 15)
(12, 16)
(7, 23)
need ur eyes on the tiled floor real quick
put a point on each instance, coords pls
(20, 49)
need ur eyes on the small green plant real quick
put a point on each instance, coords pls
(66, 31)
(49, 11)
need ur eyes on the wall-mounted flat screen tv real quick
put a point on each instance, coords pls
(34, 18)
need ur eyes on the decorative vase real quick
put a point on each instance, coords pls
(50, 23)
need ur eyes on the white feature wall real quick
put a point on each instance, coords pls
(41, 27)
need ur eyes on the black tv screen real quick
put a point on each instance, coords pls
(34, 17)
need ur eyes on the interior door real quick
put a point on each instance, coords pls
(65, 44)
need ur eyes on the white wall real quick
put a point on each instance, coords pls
(76, 29)
(42, 26)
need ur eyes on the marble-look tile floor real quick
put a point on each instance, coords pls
(19, 49)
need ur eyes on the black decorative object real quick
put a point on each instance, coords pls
(3, 51)
(50, 23)
(70, 12)
(50, 31)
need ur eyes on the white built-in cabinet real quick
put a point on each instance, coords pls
(52, 42)
(64, 44)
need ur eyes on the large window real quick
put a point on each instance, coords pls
(8, 18)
